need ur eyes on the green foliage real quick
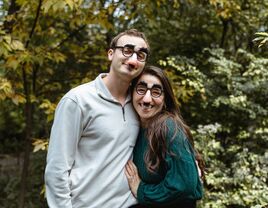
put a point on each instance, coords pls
(186, 80)
(262, 38)
(243, 184)
(234, 137)
(229, 122)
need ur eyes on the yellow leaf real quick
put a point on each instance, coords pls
(12, 62)
(37, 147)
(17, 45)
(17, 99)
(48, 107)
(70, 3)
(265, 34)
(40, 144)
(33, 98)
(47, 4)
(7, 46)
(43, 191)
(59, 5)
(5, 86)
(264, 41)
(3, 50)
(7, 38)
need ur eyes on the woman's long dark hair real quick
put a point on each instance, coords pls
(157, 129)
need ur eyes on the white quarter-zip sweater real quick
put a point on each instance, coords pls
(91, 140)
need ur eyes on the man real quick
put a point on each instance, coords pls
(94, 132)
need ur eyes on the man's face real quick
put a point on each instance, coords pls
(129, 57)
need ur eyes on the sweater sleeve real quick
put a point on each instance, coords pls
(181, 181)
(65, 134)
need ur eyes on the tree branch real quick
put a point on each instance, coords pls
(69, 36)
(34, 24)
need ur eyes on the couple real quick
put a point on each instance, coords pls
(95, 129)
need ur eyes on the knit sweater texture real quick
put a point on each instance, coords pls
(176, 182)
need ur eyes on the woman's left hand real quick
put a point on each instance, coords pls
(132, 177)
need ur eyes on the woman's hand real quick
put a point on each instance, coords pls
(132, 177)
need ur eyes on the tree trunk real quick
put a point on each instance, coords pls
(27, 150)
(225, 24)
(28, 88)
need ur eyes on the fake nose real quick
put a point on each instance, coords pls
(133, 61)
(147, 97)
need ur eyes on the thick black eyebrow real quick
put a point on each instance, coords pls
(142, 83)
(157, 86)
(130, 46)
(154, 85)
(145, 50)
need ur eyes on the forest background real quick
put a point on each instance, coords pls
(214, 52)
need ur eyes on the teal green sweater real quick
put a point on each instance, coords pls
(175, 182)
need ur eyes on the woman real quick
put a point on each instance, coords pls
(166, 173)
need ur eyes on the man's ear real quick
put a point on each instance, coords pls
(110, 54)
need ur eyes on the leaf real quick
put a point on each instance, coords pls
(7, 46)
(12, 62)
(5, 88)
(265, 34)
(257, 39)
(49, 109)
(7, 38)
(59, 5)
(40, 144)
(58, 57)
(18, 98)
(43, 191)
(17, 45)
(264, 41)
(70, 3)
(47, 4)
(3, 50)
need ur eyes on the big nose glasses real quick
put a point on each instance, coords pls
(147, 96)
(128, 50)
(132, 60)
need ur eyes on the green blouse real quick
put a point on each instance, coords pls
(175, 182)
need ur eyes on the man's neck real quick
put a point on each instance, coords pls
(117, 87)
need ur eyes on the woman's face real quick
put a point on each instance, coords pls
(148, 97)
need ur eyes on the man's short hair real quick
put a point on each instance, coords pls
(130, 32)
